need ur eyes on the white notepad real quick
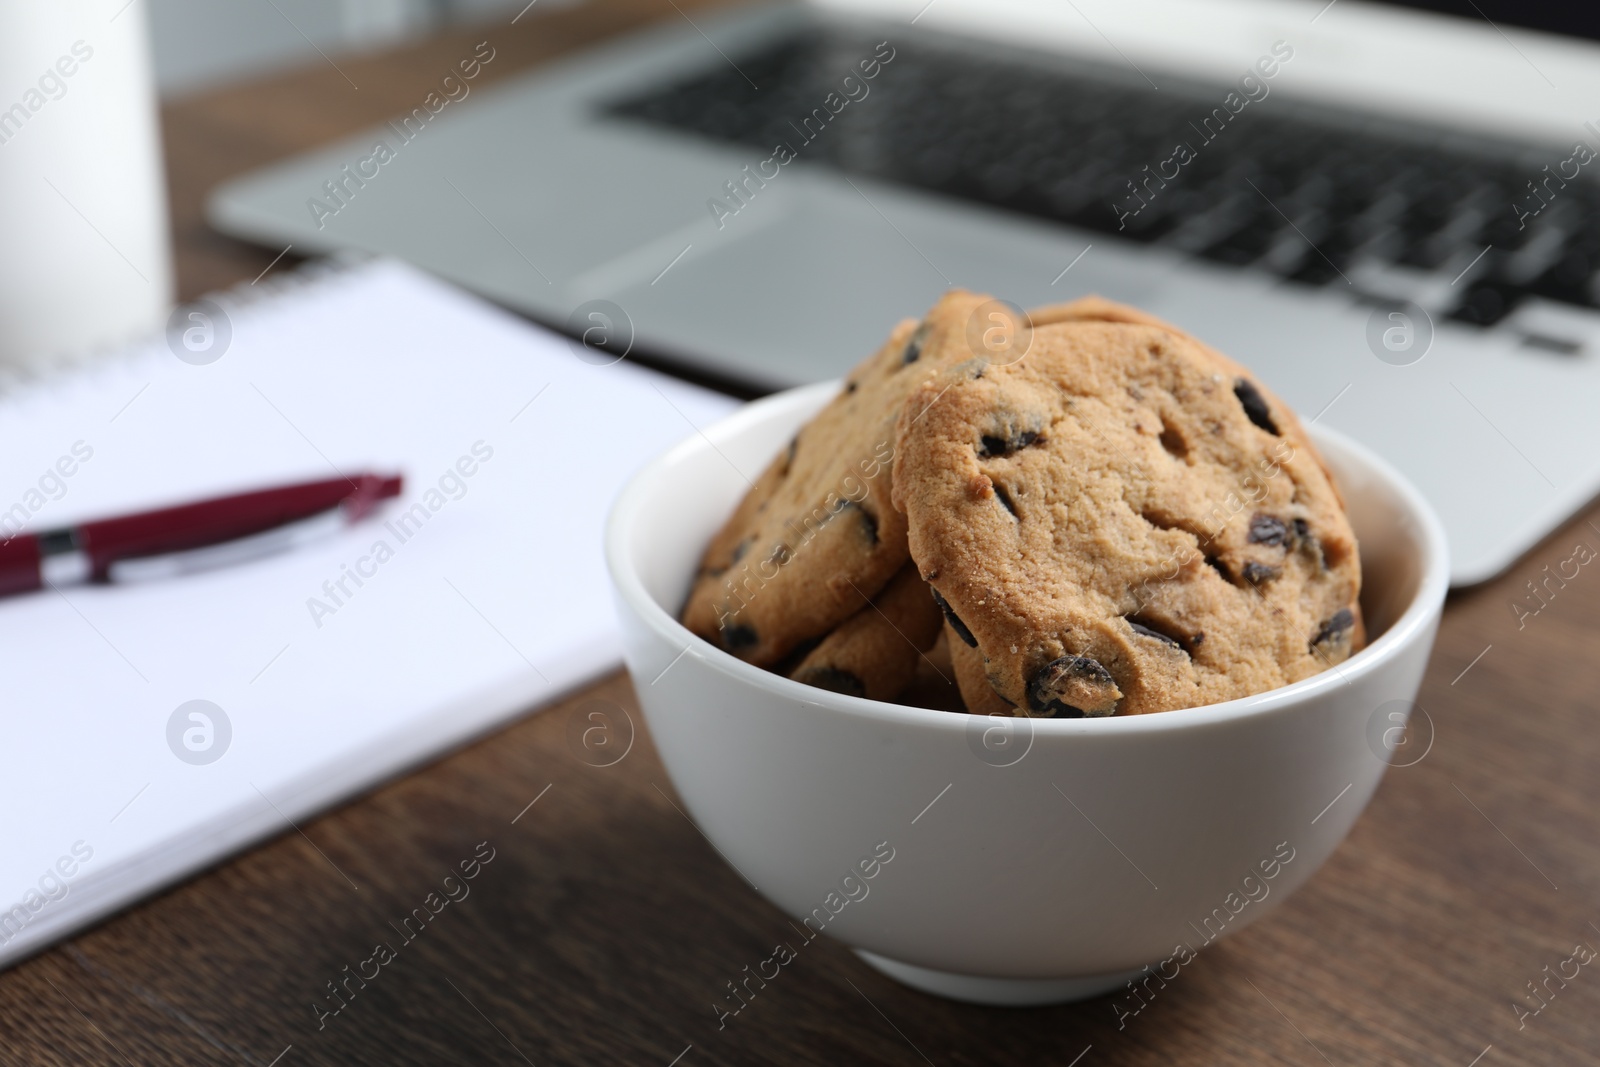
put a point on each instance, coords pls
(487, 599)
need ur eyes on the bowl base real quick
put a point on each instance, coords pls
(1002, 992)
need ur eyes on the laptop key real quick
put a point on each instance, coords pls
(1571, 278)
(1486, 303)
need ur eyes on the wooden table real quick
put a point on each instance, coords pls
(605, 927)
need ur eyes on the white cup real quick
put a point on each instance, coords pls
(1033, 860)
(84, 256)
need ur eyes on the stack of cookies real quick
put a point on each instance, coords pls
(1094, 514)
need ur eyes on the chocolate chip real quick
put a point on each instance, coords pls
(1334, 628)
(1256, 573)
(1055, 709)
(869, 522)
(1308, 542)
(834, 679)
(780, 554)
(1254, 404)
(1145, 631)
(1164, 631)
(850, 387)
(1268, 530)
(990, 446)
(955, 624)
(913, 350)
(740, 549)
(1004, 496)
(739, 637)
(1077, 674)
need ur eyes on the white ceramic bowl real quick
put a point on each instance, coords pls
(1030, 861)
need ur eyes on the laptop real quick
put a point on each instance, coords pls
(1389, 211)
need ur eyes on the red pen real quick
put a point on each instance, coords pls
(189, 537)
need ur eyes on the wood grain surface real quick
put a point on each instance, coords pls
(605, 926)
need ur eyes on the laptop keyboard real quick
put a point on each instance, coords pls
(1311, 195)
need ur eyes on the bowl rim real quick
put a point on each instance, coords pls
(1413, 623)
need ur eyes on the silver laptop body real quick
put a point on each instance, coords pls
(1399, 263)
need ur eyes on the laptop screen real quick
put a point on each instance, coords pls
(1552, 16)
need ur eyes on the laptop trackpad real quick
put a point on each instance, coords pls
(837, 269)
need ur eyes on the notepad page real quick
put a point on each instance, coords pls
(475, 596)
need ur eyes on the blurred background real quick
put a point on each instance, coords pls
(203, 44)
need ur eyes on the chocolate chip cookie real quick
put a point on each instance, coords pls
(979, 697)
(1123, 521)
(874, 652)
(817, 534)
